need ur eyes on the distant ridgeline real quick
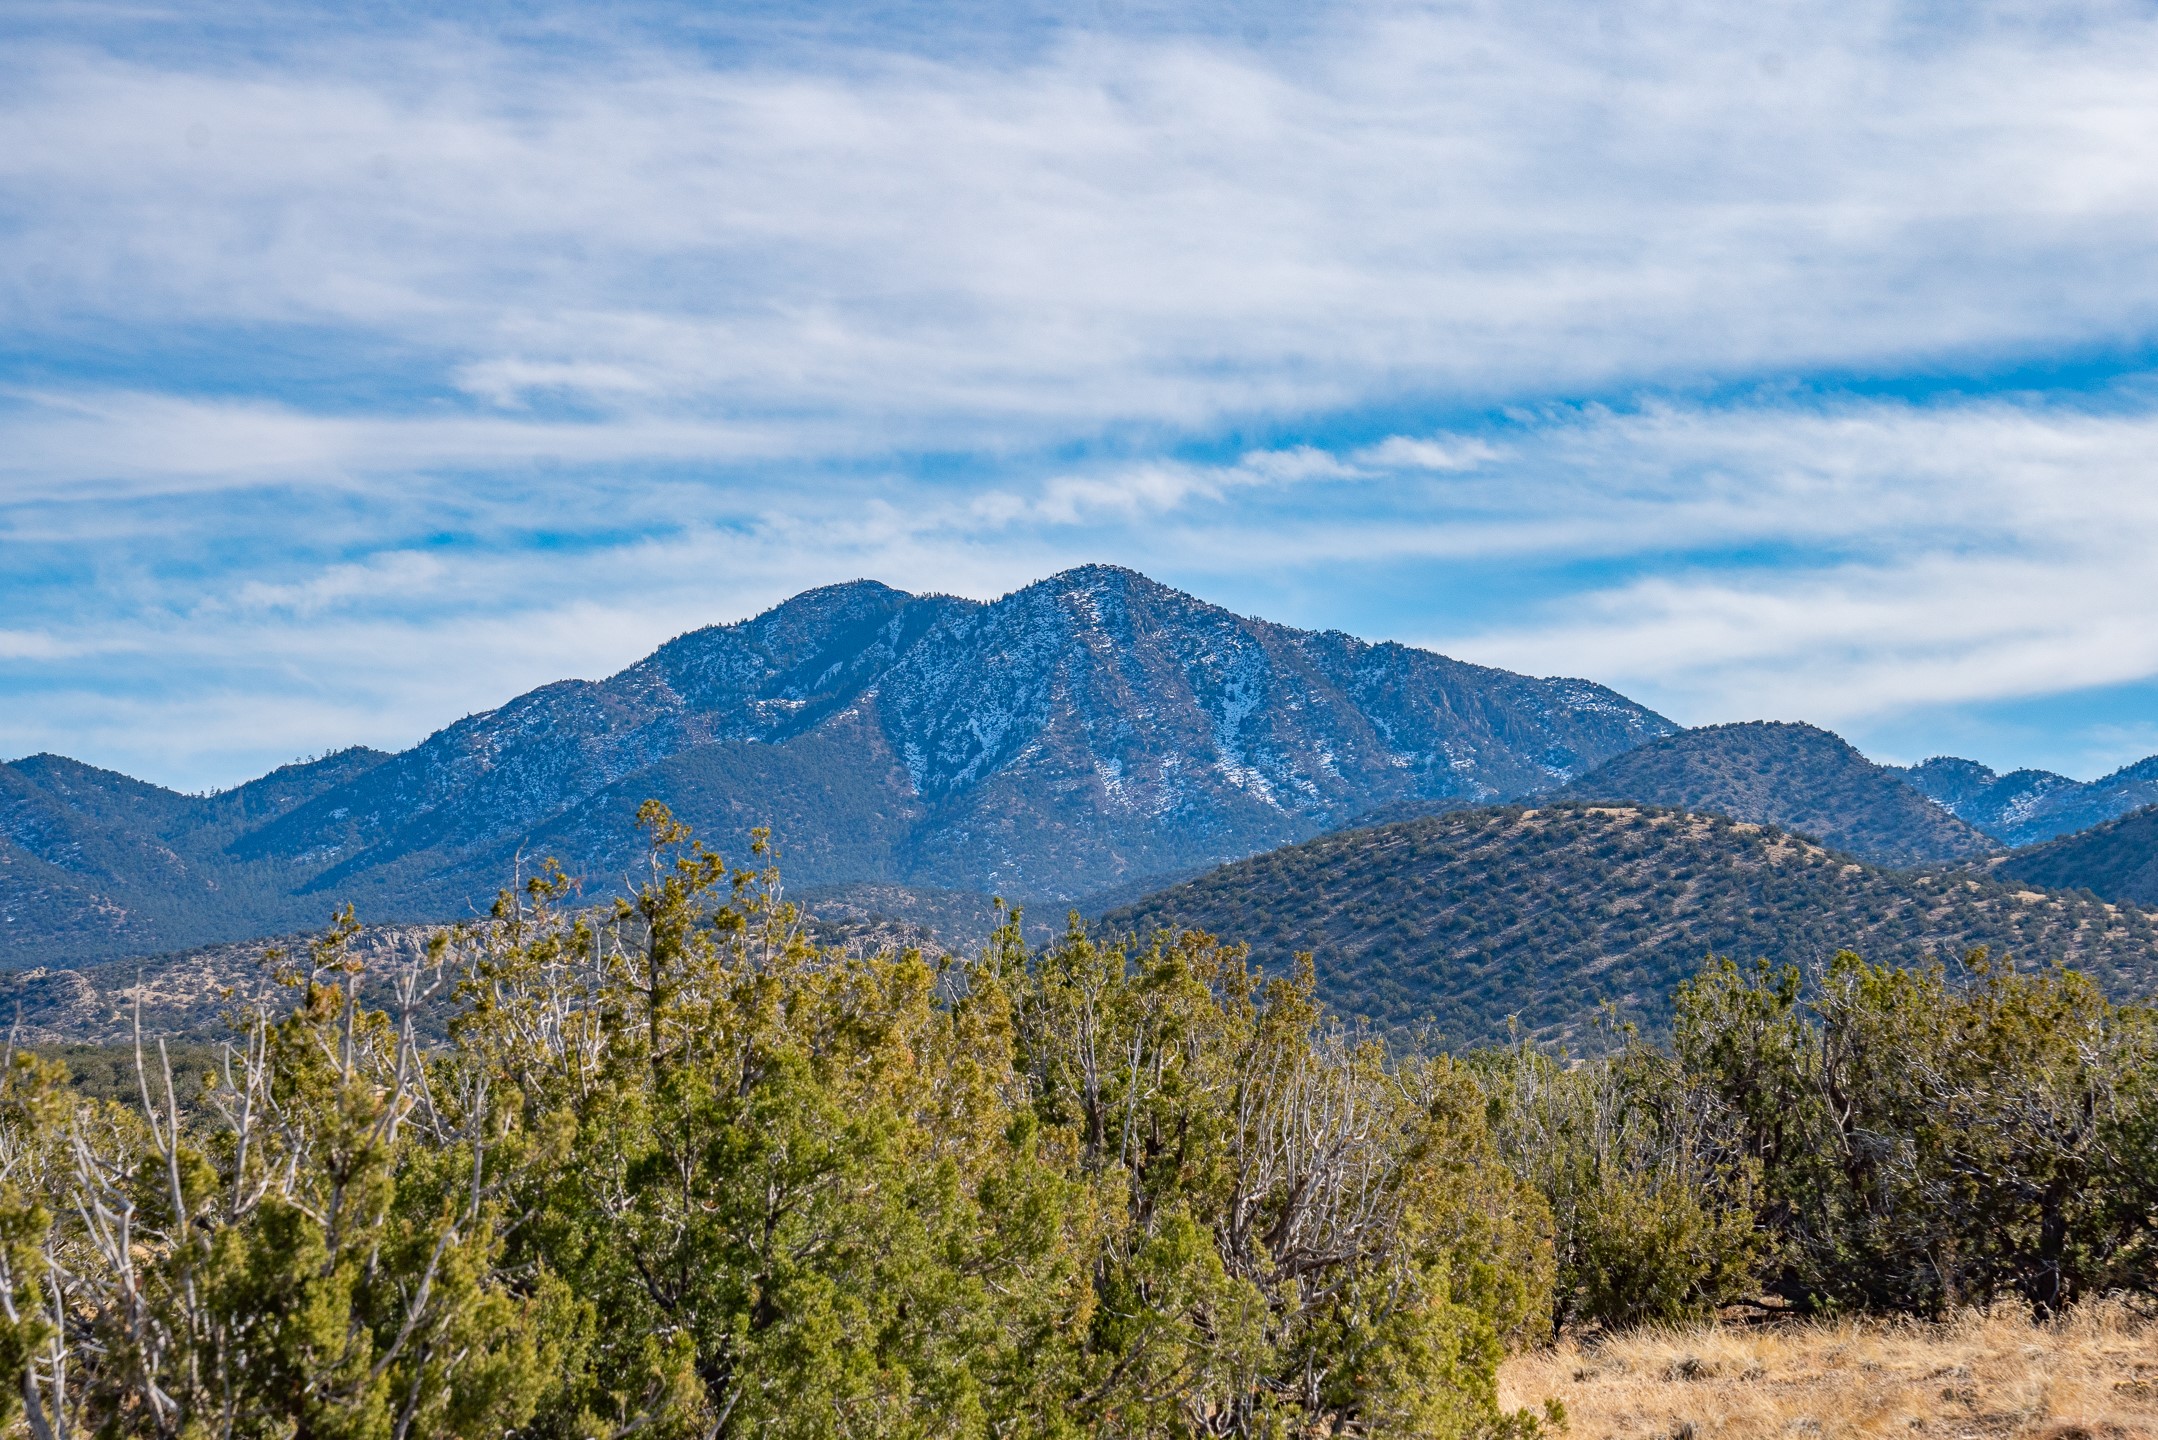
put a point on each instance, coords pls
(2025, 807)
(2118, 860)
(1796, 776)
(1803, 778)
(1095, 732)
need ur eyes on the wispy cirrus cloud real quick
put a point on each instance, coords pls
(1770, 556)
(81, 443)
(1477, 200)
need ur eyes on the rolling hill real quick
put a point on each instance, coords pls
(1460, 921)
(1797, 776)
(2116, 861)
(1084, 733)
(191, 995)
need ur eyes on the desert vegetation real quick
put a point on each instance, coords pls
(1798, 776)
(677, 1169)
(1873, 1138)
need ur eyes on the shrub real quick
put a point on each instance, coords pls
(680, 1172)
(1652, 1200)
(1928, 1140)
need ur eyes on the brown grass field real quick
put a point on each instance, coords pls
(2092, 1375)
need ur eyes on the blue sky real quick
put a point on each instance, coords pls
(360, 367)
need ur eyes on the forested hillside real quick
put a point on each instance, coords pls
(681, 1174)
(1452, 923)
(1462, 921)
(93, 863)
(2115, 861)
(1797, 776)
(670, 1168)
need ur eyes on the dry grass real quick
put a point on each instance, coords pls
(2090, 1376)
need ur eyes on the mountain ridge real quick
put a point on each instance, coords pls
(2028, 807)
(1079, 734)
(2116, 860)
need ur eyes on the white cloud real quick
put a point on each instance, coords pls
(1447, 453)
(33, 645)
(1482, 201)
(1909, 556)
(1773, 557)
(402, 574)
(512, 383)
(81, 445)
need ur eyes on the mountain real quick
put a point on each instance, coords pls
(94, 863)
(2117, 860)
(1796, 776)
(2025, 807)
(1084, 733)
(1460, 921)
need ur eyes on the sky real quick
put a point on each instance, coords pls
(361, 368)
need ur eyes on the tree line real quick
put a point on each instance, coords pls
(678, 1171)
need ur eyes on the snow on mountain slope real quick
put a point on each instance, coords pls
(1080, 734)
(2027, 807)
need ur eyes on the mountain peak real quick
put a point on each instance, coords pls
(1785, 729)
(1794, 775)
(1098, 572)
(1087, 731)
(1103, 580)
(2144, 769)
(2026, 807)
(840, 595)
(60, 772)
(810, 616)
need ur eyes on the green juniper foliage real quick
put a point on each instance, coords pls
(1927, 1140)
(678, 1171)
(1896, 1140)
(1652, 1197)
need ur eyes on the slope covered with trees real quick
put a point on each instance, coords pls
(683, 1174)
(93, 863)
(1462, 921)
(2116, 861)
(1800, 777)
(1865, 1138)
